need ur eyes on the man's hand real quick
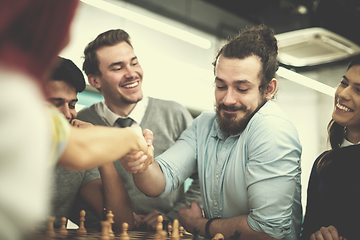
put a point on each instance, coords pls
(326, 233)
(149, 221)
(189, 216)
(138, 220)
(139, 161)
(80, 124)
(149, 137)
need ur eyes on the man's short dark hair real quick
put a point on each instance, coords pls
(257, 41)
(67, 71)
(108, 38)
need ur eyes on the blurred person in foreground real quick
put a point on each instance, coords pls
(34, 136)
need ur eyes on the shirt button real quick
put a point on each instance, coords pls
(217, 176)
(215, 203)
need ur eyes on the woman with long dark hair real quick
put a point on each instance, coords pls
(333, 200)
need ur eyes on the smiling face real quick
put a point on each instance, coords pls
(237, 92)
(121, 79)
(347, 100)
(63, 96)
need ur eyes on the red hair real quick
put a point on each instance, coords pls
(33, 32)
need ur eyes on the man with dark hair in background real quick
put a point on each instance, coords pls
(113, 68)
(247, 154)
(98, 187)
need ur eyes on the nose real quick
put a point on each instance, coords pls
(344, 93)
(230, 97)
(65, 110)
(130, 72)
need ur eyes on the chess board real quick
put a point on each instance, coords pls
(94, 235)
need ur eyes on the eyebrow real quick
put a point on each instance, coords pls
(62, 99)
(119, 63)
(357, 84)
(236, 82)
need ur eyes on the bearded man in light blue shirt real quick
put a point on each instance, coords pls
(247, 154)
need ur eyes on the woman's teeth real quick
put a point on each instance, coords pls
(343, 107)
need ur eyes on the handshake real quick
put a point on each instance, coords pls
(139, 159)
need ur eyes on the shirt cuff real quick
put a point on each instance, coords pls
(272, 229)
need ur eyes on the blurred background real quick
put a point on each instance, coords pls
(176, 42)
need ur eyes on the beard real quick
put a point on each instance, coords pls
(229, 122)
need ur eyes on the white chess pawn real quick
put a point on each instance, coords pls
(50, 226)
(181, 231)
(159, 226)
(82, 230)
(218, 236)
(124, 235)
(62, 230)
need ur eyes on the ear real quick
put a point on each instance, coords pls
(271, 89)
(94, 81)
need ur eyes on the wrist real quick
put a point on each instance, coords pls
(207, 227)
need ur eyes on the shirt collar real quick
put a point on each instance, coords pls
(136, 114)
(347, 143)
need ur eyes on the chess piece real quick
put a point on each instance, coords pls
(175, 230)
(62, 230)
(170, 229)
(218, 236)
(124, 235)
(50, 226)
(105, 225)
(110, 219)
(165, 226)
(163, 235)
(181, 231)
(82, 230)
(196, 234)
(159, 226)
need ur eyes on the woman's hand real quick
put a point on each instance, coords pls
(326, 233)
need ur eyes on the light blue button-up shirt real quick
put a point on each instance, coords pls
(256, 172)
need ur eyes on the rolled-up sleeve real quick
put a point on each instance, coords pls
(179, 161)
(272, 174)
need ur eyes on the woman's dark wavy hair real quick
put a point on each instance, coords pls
(108, 38)
(335, 131)
(259, 41)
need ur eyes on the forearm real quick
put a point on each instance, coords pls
(230, 225)
(151, 181)
(116, 197)
(92, 147)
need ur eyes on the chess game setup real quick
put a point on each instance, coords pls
(163, 231)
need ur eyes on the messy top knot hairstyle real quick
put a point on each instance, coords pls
(108, 38)
(259, 41)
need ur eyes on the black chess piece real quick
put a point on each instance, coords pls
(166, 226)
(103, 218)
(196, 234)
